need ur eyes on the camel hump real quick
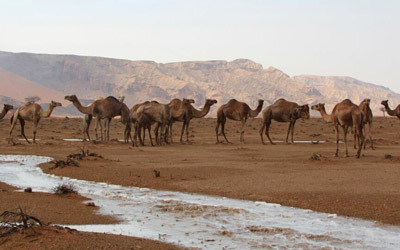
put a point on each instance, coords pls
(232, 101)
(112, 98)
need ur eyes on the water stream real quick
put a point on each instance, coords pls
(202, 221)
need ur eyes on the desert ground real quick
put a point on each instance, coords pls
(367, 188)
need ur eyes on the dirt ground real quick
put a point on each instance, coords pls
(367, 188)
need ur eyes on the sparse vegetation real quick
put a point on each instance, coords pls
(12, 222)
(73, 159)
(65, 189)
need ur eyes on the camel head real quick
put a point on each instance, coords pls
(55, 104)
(211, 102)
(121, 98)
(302, 111)
(318, 107)
(187, 101)
(385, 103)
(8, 107)
(71, 98)
(367, 101)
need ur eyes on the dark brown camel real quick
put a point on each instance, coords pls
(346, 114)
(106, 108)
(30, 112)
(6, 108)
(283, 111)
(368, 116)
(180, 112)
(394, 112)
(238, 111)
(145, 123)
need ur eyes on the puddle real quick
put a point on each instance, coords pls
(202, 221)
(313, 142)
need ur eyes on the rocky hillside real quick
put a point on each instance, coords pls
(242, 79)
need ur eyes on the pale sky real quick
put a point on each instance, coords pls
(353, 38)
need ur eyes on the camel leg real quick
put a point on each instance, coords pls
(140, 136)
(22, 122)
(242, 130)
(108, 128)
(361, 141)
(262, 132)
(345, 130)
(101, 129)
(170, 130)
(187, 131)
(223, 129)
(294, 122)
(13, 122)
(216, 130)
(356, 137)
(35, 124)
(370, 136)
(151, 139)
(267, 125)
(288, 131)
(182, 131)
(86, 124)
(337, 139)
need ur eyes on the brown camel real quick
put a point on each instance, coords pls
(31, 112)
(345, 114)
(238, 111)
(321, 108)
(368, 116)
(106, 108)
(154, 113)
(179, 112)
(6, 108)
(394, 112)
(145, 123)
(283, 111)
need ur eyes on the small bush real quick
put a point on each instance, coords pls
(65, 189)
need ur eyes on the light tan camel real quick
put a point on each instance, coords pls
(283, 111)
(154, 113)
(321, 108)
(31, 112)
(179, 112)
(6, 108)
(394, 112)
(368, 116)
(346, 114)
(106, 108)
(194, 113)
(238, 111)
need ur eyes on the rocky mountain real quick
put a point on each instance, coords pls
(242, 79)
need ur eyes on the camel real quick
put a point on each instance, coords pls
(345, 114)
(106, 108)
(31, 112)
(364, 106)
(238, 111)
(154, 113)
(394, 112)
(145, 123)
(6, 108)
(179, 112)
(88, 118)
(283, 111)
(321, 108)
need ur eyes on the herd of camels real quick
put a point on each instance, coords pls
(345, 114)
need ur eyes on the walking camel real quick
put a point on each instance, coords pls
(106, 108)
(345, 114)
(179, 112)
(30, 112)
(368, 116)
(283, 111)
(394, 112)
(238, 111)
(6, 108)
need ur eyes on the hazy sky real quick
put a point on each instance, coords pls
(354, 38)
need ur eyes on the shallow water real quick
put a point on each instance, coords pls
(203, 221)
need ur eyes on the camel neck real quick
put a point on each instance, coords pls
(201, 113)
(389, 111)
(82, 109)
(325, 116)
(254, 113)
(3, 113)
(47, 113)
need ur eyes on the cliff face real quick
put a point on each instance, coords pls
(242, 79)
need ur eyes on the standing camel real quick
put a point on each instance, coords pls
(238, 111)
(145, 123)
(394, 112)
(154, 113)
(345, 114)
(31, 112)
(283, 111)
(6, 108)
(368, 116)
(179, 112)
(106, 108)
(194, 113)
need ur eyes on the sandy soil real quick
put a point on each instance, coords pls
(367, 188)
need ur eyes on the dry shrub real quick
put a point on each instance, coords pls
(65, 189)
(73, 159)
(12, 222)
